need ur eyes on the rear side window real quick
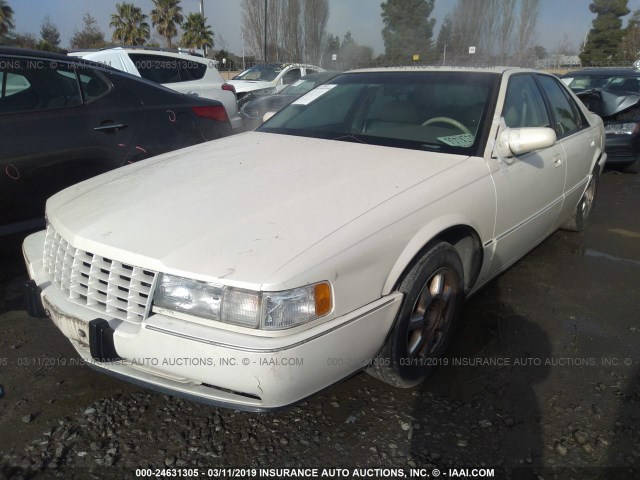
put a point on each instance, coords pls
(566, 113)
(37, 85)
(191, 70)
(157, 68)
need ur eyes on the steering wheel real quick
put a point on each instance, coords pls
(450, 121)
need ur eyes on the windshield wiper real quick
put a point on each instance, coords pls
(350, 138)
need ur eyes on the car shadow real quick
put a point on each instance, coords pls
(494, 363)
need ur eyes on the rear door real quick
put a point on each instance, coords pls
(47, 122)
(579, 149)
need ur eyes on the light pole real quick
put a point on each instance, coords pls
(204, 47)
(242, 36)
(265, 31)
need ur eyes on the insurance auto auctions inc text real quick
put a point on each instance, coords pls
(348, 473)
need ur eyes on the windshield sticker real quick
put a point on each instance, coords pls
(464, 140)
(314, 94)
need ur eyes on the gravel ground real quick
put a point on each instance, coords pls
(543, 381)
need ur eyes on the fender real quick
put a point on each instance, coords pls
(421, 239)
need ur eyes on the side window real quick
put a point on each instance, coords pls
(92, 85)
(15, 84)
(291, 76)
(524, 105)
(567, 116)
(192, 70)
(309, 71)
(38, 85)
(157, 68)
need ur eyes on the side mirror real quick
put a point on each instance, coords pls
(515, 141)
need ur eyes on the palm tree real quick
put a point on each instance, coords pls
(129, 25)
(166, 17)
(196, 32)
(6, 18)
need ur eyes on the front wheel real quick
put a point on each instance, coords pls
(433, 293)
(580, 218)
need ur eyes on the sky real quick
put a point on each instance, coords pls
(360, 17)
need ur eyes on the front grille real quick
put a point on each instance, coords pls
(106, 286)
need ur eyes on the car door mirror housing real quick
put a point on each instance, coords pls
(516, 141)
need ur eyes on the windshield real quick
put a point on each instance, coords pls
(617, 83)
(265, 73)
(300, 87)
(437, 111)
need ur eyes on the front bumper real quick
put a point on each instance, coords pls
(213, 365)
(622, 149)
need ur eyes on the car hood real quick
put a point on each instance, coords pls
(238, 208)
(243, 86)
(608, 103)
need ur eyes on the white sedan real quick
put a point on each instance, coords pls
(342, 235)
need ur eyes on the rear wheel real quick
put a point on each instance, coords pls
(580, 218)
(433, 291)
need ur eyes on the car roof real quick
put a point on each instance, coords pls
(603, 71)
(281, 65)
(26, 52)
(320, 75)
(182, 56)
(495, 70)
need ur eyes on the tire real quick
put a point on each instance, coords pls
(433, 293)
(580, 217)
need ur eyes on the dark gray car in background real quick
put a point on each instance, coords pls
(614, 94)
(253, 111)
(64, 119)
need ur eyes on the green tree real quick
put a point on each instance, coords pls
(445, 37)
(229, 63)
(540, 52)
(332, 45)
(6, 18)
(197, 34)
(631, 42)
(165, 17)
(49, 36)
(408, 29)
(90, 36)
(21, 40)
(604, 39)
(129, 25)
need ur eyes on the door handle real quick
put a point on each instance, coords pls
(557, 161)
(112, 126)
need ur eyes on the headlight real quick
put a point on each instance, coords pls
(246, 308)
